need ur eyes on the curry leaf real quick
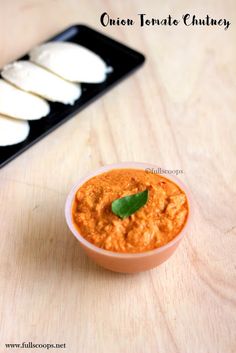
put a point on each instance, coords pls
(126, 206)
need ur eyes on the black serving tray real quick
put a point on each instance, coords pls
(122, 59)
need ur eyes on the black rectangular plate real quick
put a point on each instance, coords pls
(122, 59)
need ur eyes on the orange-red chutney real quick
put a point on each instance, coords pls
(152, 226)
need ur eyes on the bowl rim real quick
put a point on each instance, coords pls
(124, 165)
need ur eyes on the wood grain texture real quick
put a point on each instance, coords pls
(178, 111)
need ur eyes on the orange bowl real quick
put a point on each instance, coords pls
(128, 262)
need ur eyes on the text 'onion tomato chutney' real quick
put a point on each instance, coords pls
(153, 225)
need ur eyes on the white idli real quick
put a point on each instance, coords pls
(21, 105)
(70, 61)
(35, 79)
(12, 131)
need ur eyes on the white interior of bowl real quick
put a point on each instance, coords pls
(123, 165)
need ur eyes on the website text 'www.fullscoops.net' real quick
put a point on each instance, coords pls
(34, 345)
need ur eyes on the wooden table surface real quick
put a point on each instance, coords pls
(178, 111)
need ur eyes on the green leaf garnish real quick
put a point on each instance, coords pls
(126, 206)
